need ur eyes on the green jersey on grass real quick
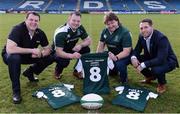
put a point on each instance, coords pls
(135, 98)
(57, 95)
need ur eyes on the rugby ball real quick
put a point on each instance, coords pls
(92, 101)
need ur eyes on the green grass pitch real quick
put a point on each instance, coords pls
(167, 102)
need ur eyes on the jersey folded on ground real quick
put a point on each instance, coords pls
(57, 95)
(135, 98)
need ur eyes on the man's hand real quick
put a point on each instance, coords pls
(135, 62)
(36, 53)
(139, 69)
(112, 56)
(75, 55)
(77, 48)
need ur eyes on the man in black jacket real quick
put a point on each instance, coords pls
(158, 57)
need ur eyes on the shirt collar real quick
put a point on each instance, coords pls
(114, 30)
(70, 27)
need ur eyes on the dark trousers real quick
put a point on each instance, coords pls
(14, 62)
(63, 63)
(121, 67)
(158, 71)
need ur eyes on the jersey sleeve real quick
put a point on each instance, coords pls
(39, 94)
(69, 86)
(120, 89)
(153, 95)
(127, 41)
(59, 40)
(103, 36)
(84, 33)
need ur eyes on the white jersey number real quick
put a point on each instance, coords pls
(58, 93)
(95, 76)
(133, 95)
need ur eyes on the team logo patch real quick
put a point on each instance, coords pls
(116, 38)
(68, 36)
(105, 36)
(78, 33)
(38, 41)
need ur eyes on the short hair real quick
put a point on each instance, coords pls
(110, 17)
(149, 21)
(34, 13)
(77, 13)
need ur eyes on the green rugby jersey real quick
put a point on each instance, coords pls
(135, 98)
(57, 95)
(95, 70)
(116, 41)
(66, 38)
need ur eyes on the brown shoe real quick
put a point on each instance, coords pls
(57, 75)
(161, 88)
(148, 80)
(79, 75)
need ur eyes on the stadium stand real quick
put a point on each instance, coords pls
(117, 5)
(174, 3)
(34, 5)
(93, 5)
(133, 5)
(90, 5)
(152, 5)
(9, 4)
(62, 5)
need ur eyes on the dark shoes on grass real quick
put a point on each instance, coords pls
(29, 74)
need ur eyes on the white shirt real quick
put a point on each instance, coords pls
(148, 42)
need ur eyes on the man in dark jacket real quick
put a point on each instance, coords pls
(158, 57)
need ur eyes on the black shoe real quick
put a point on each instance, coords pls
(29, 74)
(17, 98)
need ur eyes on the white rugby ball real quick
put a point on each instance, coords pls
(92, 101)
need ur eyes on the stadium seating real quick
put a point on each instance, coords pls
(65, 5)
(8, 4)
(89, 5)
(154, 5)
(28, 5)
(93, 5)
(117, 5)
(133, 5)
(174, 3)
